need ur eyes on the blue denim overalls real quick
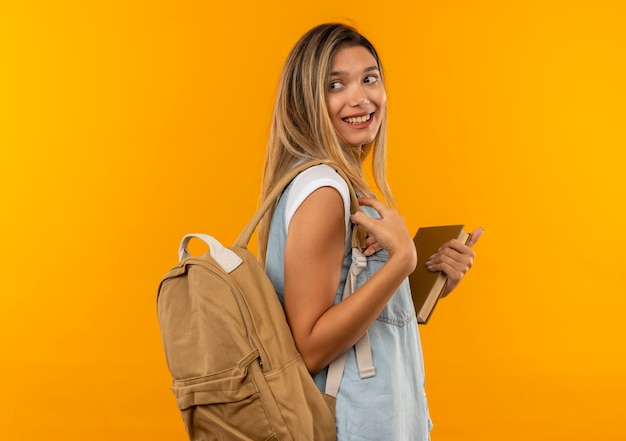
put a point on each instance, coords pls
(392, 404)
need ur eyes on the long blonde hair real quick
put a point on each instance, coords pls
(301, 127)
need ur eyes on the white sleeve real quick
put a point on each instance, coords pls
(310, 180)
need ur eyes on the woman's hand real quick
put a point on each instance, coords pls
(388, 232)
(454, 259)
(371, 246)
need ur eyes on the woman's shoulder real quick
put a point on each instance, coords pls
(312, 179)
(321, 175)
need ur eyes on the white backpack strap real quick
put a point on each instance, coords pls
(225, 257)
(335, 372)
(362, 347)
(364, 358)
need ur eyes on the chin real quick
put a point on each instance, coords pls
(360, 142)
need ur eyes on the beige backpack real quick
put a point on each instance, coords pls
(236, 372)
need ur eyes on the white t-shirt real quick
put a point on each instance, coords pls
(310, 180)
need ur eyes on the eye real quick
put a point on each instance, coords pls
(370, 79)
(334, 85)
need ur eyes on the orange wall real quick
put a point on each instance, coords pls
(124, 125)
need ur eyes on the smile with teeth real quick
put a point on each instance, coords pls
(358, 119)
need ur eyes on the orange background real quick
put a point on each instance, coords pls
(125, 125)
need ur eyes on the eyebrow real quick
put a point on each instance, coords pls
(338, 73)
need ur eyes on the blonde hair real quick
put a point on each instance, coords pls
(301, 127)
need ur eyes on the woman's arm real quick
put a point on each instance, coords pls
(313, 261)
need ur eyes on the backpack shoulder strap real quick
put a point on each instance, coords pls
(246, 233)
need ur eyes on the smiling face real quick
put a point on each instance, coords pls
(356, 96)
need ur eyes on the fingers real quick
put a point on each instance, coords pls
(372, 246)
(386, 213)
(374, 203)
(451, 262)
(388, 232)
(369, 223)
(475, 236)
(454, 259)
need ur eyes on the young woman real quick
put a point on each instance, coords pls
(330, 104)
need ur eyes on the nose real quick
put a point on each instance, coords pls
(358, 97)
